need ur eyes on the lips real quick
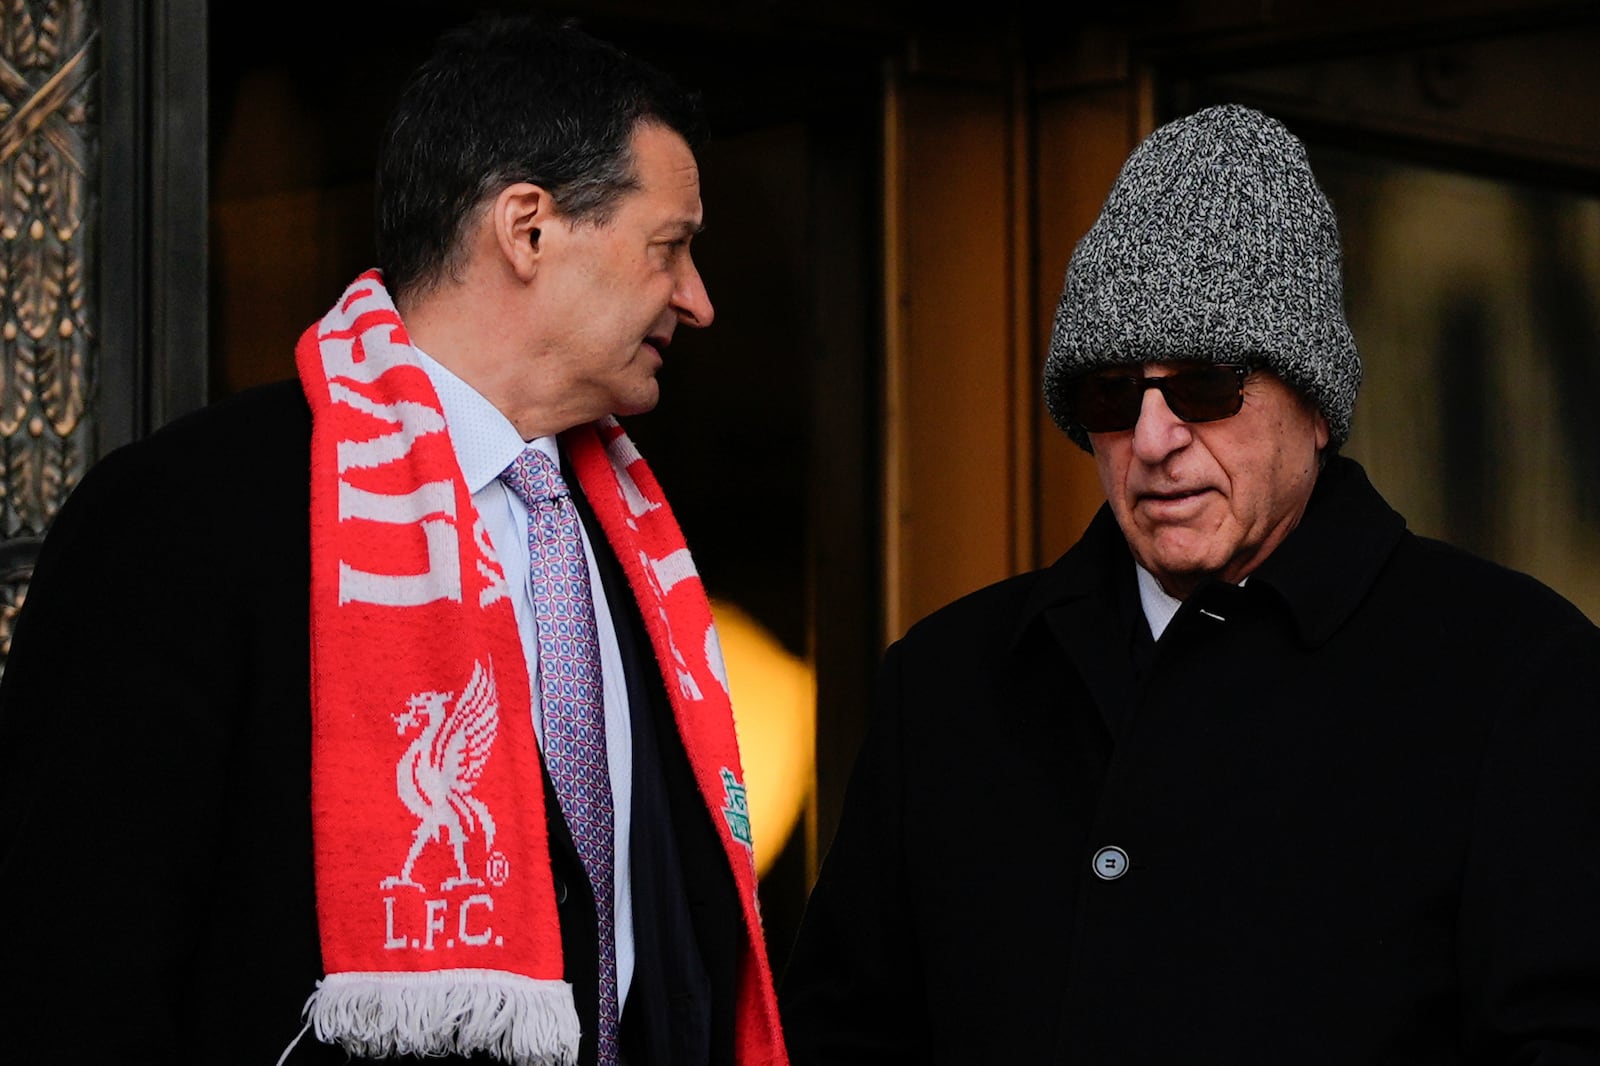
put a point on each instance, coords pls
(1174, 505)
(659, 342)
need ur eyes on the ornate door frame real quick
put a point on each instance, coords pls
(103, 223)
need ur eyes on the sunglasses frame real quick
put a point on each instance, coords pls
(1241, 371)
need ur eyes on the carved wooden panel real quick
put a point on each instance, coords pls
(47, 336)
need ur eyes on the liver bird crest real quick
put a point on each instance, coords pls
(436, 773)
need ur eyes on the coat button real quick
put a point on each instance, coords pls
(1110, 863)
(561, 890)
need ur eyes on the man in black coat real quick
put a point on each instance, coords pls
(165, 788)
(1252, 774)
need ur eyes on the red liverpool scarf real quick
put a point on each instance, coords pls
(435, 904)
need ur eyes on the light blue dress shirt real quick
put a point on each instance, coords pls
(485, 443)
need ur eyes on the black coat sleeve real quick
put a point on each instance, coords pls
(852, 990)
(155, 756)
(110, 769)
(1529, 944)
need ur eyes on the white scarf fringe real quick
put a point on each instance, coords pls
(514, 1018)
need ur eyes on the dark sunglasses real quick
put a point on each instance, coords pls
(1109, 401)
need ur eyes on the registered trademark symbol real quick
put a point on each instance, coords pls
(498, 869)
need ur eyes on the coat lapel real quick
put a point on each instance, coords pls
(1088, 605)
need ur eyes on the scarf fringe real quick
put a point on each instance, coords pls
(516, 1019)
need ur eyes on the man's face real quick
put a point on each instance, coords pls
(616, 291)
(1196, 499)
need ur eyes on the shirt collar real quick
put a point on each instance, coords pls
(1159, 606)
(484, 440)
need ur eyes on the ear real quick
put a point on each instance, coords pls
(517, 217)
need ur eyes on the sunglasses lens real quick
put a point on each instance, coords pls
(1204, 393)
(1107, 402)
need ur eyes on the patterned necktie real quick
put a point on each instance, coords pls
(571, 710)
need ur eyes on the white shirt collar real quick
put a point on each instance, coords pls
(1158, 606)
(484, 440)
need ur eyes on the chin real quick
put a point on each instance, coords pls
(1190, 569)
(1184, 567)
(638, 404)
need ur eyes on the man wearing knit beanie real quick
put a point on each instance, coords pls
(1252, 774)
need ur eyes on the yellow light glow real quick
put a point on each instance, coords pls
(775, 712)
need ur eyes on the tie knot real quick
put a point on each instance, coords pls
(535, 478)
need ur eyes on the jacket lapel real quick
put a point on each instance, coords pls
(1088, 604)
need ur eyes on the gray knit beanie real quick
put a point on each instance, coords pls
(1215, 244)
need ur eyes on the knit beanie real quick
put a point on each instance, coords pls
(1215, 244)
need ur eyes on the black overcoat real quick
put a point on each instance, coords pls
(155, 742)
(1356, 804)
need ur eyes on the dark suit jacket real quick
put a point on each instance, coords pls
(155, 770)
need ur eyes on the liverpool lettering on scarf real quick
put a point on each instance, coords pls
(415, 524)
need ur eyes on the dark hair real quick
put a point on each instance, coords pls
(504, 99)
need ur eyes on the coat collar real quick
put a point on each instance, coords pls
(1089, 604)
(1320, 573)
(1088, 571)
(1325, 568)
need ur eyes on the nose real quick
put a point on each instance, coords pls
(1159, 432)
(690, 299)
